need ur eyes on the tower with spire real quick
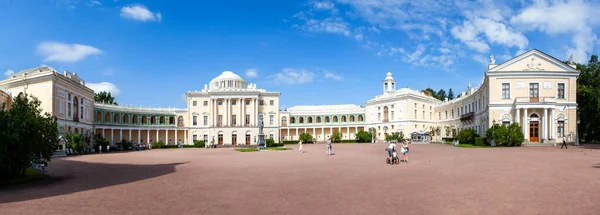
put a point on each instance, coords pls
(389, 84)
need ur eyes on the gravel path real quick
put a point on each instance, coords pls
(439, 179)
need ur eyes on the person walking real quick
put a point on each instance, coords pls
(328, 147)
(564, 143)
(300, 146)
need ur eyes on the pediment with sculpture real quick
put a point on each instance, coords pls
(533, 60)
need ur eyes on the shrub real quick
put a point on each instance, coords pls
(199, 144)
(75, 141)
(398, 136)
(467, 136)
(363, 137)
(306, 138)
(125, 144)
(447, 139)
(270, 142)
(291, 142)
(190, 146)
(169, 146)
(506, 136)
(348, 141)
(480, 141)
(336, 137)
(158, 144)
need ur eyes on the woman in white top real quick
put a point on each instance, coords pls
(390, 149)
(300, 146)
(404, 151)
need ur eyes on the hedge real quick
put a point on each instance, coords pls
(480, 141)
(447, 139)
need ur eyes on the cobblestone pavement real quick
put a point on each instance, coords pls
(439, 179)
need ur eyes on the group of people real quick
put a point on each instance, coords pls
(328, 148)
(393, 153)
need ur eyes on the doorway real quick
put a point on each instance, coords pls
(534, 135)
(220, 139)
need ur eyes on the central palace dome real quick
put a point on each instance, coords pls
(228, 80)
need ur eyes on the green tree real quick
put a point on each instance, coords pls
(588, 99)
(506, 136)
(441, 95)
(75, 141)
(306, 138)
(515, 135)
(432, 92)
(26, 134)
(336, 137)
(104, 97)
(373, 133)
(363, 137)
(398, 136)
(467, 136)
(450, 94)
(100, 141)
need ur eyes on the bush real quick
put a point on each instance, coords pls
(306, 138)
(125, 144)
(363, 137)
(506, 136)
(348, 141)
(336, 137)
(199, 144)
(270, 142)
(169, 146)
(398, 136)
(74, 141)
(480, 141)
(158, 144)
(447, 139)
(466, 136)
(190, 146)
(287, 142)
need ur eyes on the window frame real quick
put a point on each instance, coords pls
(502, 90)
(564, 96)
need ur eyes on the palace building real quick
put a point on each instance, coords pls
(534, 89)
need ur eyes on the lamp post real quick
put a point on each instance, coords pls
(493, 142)
(577, 132)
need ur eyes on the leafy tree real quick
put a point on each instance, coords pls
(104, 97)
(336, 137)
(432, 92)
(126, 144)
(363, 137)
(450, 94)
(306, 138)
(506, 136)
(158, 144)
(453, 132)
(588, 99)
(100, 141)
(515, 135)
(25, 135)
(441, 95)
(75, 141)
(199, 144)
(398, 136)
(467, 136)
(437, 131)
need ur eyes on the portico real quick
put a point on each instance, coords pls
(537, 119)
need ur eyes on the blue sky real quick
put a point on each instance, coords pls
(150, 53)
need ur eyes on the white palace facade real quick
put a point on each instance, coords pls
(533, 89)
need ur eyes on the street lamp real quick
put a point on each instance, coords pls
(577, 132)
(493, 142)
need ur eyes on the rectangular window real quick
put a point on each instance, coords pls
(194, 103)
(271, 119)
(452, 113)
(195, 120)
(392, 106)
(415, 105)
(261, 102)
(247, 119)
(458, 111)
(87, 115)
(416, 114)
(233, 119)
(505, 91)
(446, 115)
(194, 137)
(205, 119)
(62, 107)
(271, 136)
(205, 103)
(233, 102)
(378, 116)
(69, 109)
(81, 113)
(423, 114)
(561, 128)
(561, 90)
(469, 108)
(220, 102)
(271, 102)
(220, 120)
(439, 115)
(392, 115)
(247, 102)
(534, 92)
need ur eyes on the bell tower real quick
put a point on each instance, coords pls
(389, 84)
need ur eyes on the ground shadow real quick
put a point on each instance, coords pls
(590, 146)
(75, 176)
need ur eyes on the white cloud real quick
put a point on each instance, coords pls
(473, 32)
(323, 5)
(481, 59)
(140, 13)
(334, 25)
(251, 73)
(576, 18)
(62, 52)
(108, 72)
(293, 76)
(333, 76)
(94, 3)
(9, 73)
(104, 86)
(444, 50)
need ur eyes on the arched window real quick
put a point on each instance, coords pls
(343, 118)
(385, 114)
(180, 121)
(318, 119)
(360, 118)
(283, 121)
(292, 120)
(107, 117)
(99, 116)
(310, 119)
(301, 120)
(117, 118)
(327, 119)
(335, 119)
(153, 120)
(162, 120)
(135, 119)
(351, 118)
(126, 118)
(144, 120)
(172, 120)
(75, 109)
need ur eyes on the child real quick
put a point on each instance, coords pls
(328, 147)
(300, 146)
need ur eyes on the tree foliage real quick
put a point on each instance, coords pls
(104, 97)
(363, 137)
(506, 136)
(25, 135)
(306, 138)
(441, 95)
(450, 94)
(336, 137)
(75, 141)
(100, 141)
(467, 136)
(588, 99)
(398, 136)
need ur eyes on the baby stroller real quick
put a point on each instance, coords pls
(394, 160)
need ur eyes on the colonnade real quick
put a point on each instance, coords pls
(240, 113)
(138, 139)
(319, 133)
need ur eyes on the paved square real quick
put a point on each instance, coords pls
(439, 179)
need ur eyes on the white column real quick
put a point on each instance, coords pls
(112, 136)
(139, 136)
(315, 132)
(186, 136)
(167, 136)
(525, 124)
(214, 112)
(255, 112)
(103, 133)
(148, 138)
(348, 132)
(129, 135)
(545, 124)
(323, 132)
(517, 110)
(176, 140)
(297, 135)
(156, 136)
(120, 134)
(551, 123)
(243, 121)
(226, 112)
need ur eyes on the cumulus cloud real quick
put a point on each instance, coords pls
(62, 52)
(251, 73)
(140, 13)
(104, 86)
(323, 5)
(293, 76)
(9, 73)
